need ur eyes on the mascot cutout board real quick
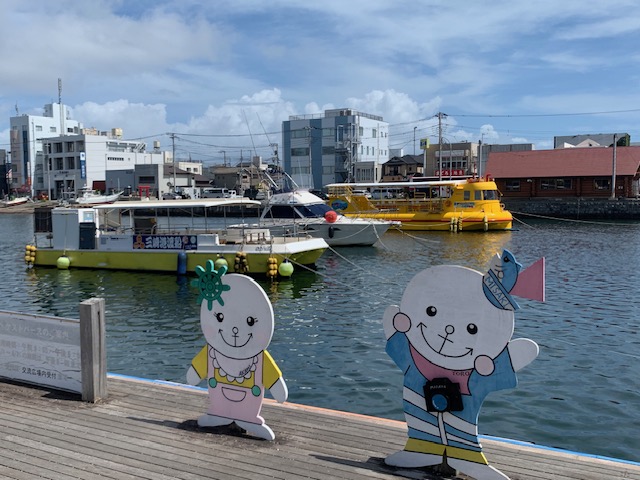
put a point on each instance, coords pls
(451, 336)
(237, 320)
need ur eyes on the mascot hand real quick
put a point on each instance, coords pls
(387, 320)
(192, 377)
(279, 391)
(484, 365)
(522, 352)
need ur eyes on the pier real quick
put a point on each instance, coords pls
(148, 430)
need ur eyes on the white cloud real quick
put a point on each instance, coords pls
(228, 67)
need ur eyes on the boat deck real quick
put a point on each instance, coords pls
(147, 430)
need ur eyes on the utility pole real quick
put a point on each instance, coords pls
(224, 157)
(173, 158)
(440, 115)
(613, 174)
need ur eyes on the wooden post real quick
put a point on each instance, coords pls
(93, 352)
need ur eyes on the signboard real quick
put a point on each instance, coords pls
(83, 165)
(41, 350)
(424, 143)
(456, 172)
(165, 242)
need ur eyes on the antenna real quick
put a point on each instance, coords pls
(250, 135)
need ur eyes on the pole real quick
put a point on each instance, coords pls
(414, 139)
(479, 169)
(173, 158)
(613, 174)
(439, 145)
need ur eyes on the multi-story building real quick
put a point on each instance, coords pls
(26, 136)
(341, 145)
(72, 162)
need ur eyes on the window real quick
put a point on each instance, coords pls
(70, 147)
(555, 184)
(52, 129)
(301, 133)
(493, 194)
(331, 150)
(300, 152)
(512, 186)
(59, 164)
(72, 163)
(38, 128)
(300, 170)
(374, 133)
(57, 147)
(329, 132)
(602, 183)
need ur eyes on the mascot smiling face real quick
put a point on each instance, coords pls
(242, 326)
(448, 319)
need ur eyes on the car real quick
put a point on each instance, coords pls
(171, 196)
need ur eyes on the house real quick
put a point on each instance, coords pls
(567, 172)
(399, 169)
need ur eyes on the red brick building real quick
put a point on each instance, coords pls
(566, 172)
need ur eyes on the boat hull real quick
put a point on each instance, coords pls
(168, 261)
(346, 233)
(446, 222)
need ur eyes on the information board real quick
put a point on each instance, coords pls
(41, 350)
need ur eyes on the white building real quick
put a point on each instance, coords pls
(26, 135)
(342, 145)
(75, 161)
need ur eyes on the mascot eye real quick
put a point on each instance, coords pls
(472, 328)
(251, 321)
(431, 311)
(220, 316)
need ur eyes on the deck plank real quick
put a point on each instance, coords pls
(148, 430)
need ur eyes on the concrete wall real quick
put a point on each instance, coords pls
(576, 208)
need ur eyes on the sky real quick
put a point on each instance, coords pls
(222, 75)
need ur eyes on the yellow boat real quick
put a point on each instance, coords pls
(163, 236)
(455, 205)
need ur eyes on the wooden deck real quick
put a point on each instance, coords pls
(148, 431)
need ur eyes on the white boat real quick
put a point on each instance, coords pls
(14, 201)
(163, 236)
(300, 212)
(91, 197)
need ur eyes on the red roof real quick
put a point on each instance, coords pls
(564, 162)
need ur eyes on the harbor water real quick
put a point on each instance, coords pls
(582, 393)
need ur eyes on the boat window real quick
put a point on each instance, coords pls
(491, 195)
(467, 195)
(315, 210)
(282, 211)
(478, 195)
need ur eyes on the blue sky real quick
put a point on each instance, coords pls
(224, 74)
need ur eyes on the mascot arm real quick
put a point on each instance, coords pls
(522, 351)
(272, 378)
(198, 369)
